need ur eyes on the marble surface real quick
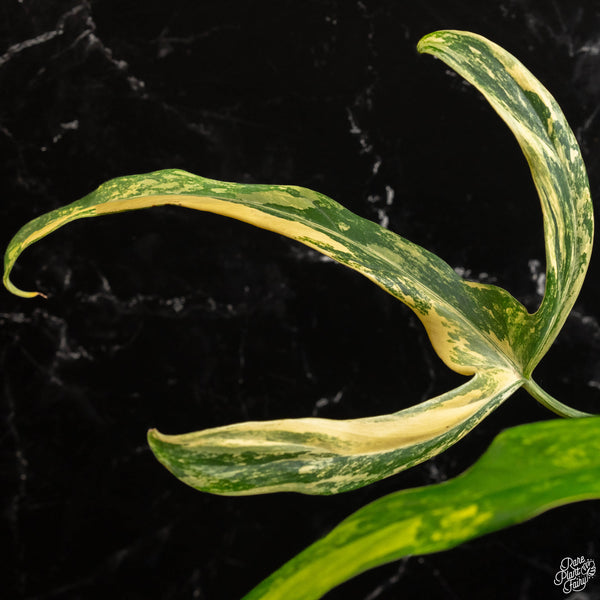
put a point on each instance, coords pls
(179, 320)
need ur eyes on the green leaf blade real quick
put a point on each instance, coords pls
(559, 463)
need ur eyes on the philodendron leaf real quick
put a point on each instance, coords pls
(556, 166)
(323, 456)
(558, 463)
(477, 330)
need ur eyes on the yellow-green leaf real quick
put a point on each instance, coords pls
(558, 463)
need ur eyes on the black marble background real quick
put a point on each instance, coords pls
(179, 320)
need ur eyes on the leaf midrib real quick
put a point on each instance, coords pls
(513, 366)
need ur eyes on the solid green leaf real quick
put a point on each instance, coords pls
(558, 463)
(476, 329)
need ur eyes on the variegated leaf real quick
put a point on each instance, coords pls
(557, 168)
(323, 456)
(476, 329)
(464, 332)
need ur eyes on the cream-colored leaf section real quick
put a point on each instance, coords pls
(336, 455)
(452, 349)
(292, 229)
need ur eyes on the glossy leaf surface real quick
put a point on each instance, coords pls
(476, 329)
(558, 463)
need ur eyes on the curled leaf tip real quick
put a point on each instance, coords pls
(423, 45)
(154, 435)
(8, 284)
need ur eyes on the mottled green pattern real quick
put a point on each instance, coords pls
(558, 463)
(476, 329)
(321, 456)
(556, 165)
(470, 334)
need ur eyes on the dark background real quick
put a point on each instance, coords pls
(180, 320)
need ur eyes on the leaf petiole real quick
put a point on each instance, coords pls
(551, 403)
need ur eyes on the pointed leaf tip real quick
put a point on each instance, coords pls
(327, 456)
(13, 289)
